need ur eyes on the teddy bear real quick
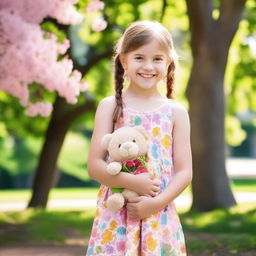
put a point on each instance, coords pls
(127, 148)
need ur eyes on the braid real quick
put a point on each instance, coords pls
(170, 80)
(119, 80)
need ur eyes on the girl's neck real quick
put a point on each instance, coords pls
(142, 93)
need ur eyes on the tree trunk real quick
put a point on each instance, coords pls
(46, 171)
(210, 185)
(210, 42)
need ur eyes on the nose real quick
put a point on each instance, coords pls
(127, 146)
(148, 65)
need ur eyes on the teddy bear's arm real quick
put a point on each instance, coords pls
(114, 168)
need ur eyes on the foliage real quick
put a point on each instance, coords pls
(240, 81)
(20, 155)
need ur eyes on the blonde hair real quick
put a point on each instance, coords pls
(136, 35)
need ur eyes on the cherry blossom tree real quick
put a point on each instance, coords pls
(29, 54)
(34, 61)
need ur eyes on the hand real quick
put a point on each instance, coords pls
(141, 207)
(145, 185)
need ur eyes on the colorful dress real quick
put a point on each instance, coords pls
(159, 235)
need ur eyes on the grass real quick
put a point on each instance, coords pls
(237, 185)
(243, 185)
(229, 230)
(40, 226)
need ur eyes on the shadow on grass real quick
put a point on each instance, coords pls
(39, 226)
(219, 232)
(230, 230)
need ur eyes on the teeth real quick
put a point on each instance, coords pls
(147, 75)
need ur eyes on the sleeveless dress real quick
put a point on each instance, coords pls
(159, 235)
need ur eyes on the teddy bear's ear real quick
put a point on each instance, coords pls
(105, 141)
(141, 129)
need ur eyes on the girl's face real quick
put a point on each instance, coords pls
(147, 65)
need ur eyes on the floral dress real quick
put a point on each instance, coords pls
(159, 235)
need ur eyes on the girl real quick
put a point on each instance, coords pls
(145, 56)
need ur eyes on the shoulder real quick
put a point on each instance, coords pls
(104, 115)
(179, 112)
(107, 104)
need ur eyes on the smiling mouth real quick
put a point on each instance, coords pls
(146, 75)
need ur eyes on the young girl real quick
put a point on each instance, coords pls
(145, 56)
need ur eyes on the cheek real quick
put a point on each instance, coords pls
(163, 69)
(134, 66)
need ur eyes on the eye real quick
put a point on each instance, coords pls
(138, 58)
(158, 59)
(119, 145)
(134, 141)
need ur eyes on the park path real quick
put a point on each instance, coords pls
(80, 204)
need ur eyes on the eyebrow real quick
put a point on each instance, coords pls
(157, 55)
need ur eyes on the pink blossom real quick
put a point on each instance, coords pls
(29, 54)
(83, 86)
(39, 108)
(34, 11)
(99, 24)
(95, 6)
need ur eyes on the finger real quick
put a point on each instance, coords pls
(153, 194)
(156, 182)
(133, 200)
(156, 189)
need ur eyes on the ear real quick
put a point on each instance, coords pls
(141, 129)
(105, 141)
(123, 60)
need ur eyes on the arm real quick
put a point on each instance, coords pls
(182, 159)
(103, 124)
(141, 207)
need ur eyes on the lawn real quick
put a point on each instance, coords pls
(230, 231)
(220, 232)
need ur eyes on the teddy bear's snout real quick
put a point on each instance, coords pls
(127, 145)
(129, 149)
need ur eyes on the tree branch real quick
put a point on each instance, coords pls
(75, 112)
(93, 61)
(163, 10)
(230, 16)
(201, 22)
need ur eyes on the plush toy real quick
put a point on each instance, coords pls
(127, 148)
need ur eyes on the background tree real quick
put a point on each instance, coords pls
(213, 25)
(64, 115)
(92, 57)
